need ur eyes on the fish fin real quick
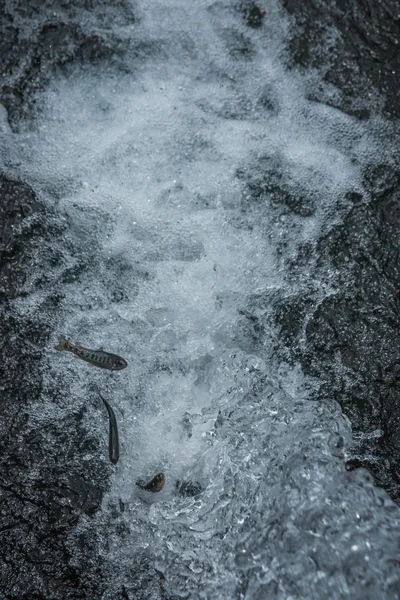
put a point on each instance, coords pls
(100, 349)
(91, 365)
(62, 343)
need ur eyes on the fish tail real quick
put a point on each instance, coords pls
(62, 345)
(106, 404)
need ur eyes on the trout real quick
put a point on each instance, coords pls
(98, 358)
(155, 485)
(113, 441)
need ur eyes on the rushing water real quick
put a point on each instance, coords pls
(157, 170)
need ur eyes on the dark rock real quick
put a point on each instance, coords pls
(253, 14)
(352, 340)
(363, 52)
(188, 488)
(23, 224)
(266, 180)
(360, 323)
(44, 488)
(39, 38)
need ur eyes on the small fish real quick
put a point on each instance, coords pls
(155, 485)
(113, 441)
(98, 358)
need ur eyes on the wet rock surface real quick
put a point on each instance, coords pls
(40, 38)
(42, 493)
(45, 494)
(356, 46)
(352, 338)
(358, 327)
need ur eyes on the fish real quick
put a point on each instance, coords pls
(113, 441)
(98, 358)
(155, 485)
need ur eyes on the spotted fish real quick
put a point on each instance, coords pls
(155, 485)
(98, 358)
(113, 441)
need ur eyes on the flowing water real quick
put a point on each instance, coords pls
(159, 171)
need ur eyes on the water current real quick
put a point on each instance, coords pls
(156, 170)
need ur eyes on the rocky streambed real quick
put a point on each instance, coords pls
(159, 192)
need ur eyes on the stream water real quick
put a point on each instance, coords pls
(189, 182)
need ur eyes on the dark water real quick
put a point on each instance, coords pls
(210, 192)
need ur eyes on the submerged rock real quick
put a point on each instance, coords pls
(44, 487)
(40, 38)
(273, 521)
(356, 47)
(352, 336)
(360, 324)
(188, 488)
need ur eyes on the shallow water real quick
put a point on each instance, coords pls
(189, 182)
